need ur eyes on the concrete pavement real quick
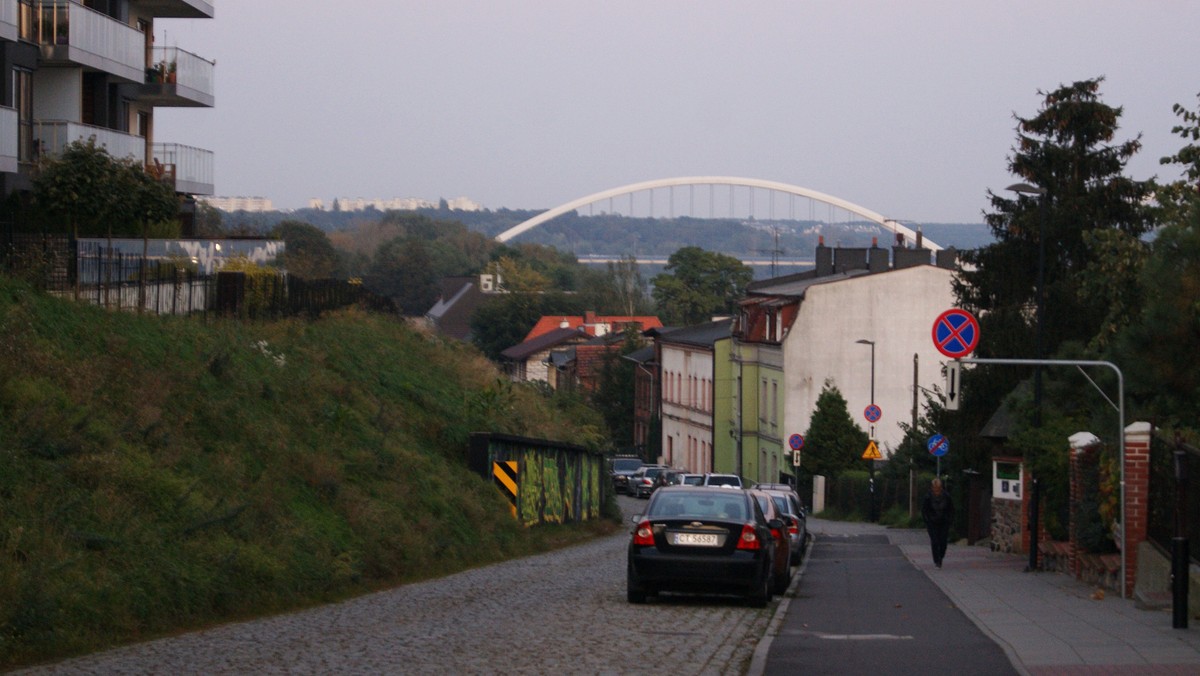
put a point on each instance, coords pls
(1047, 623)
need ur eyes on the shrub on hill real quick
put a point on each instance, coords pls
(159, 474)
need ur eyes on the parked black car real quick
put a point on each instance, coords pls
(621, 467)
(698, 540)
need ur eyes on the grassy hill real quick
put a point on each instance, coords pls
(160, 474)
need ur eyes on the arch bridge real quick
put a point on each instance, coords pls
(712, 181)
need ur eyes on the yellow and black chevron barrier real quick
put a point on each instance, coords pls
(504, 474)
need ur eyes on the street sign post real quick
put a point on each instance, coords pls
(873, 413)
(872, 452)
(953, 384)
(938, 446)
(955, 333)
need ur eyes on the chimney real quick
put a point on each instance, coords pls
(824, 258)
(589, 317)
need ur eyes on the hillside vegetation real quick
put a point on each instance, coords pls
(160, 474)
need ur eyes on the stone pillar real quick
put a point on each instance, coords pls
(1137, 497)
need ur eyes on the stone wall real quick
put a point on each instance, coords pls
(1006, 526)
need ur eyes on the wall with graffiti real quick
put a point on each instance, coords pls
(544, 481)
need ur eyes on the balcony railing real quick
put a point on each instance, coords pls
(51, 136)
(191, 75)
(69, 32)
(9, 136)
(190, 168)
(9, 20)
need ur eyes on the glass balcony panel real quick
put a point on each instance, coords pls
(192, 75)
(9, 20)
(191, 168)
(9, 139)
(51, 136)
(91, 39)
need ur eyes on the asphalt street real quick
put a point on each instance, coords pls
(862, 608)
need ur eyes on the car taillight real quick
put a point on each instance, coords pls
(749, 538)
(793, 529)
(644, 535)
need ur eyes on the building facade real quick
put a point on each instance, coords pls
(686, 359)
(78, 70)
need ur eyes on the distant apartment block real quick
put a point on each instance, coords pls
(255, 204)
(393, 204)
(77, 70)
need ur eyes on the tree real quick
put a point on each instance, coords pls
(1155, 344)
(1088, 207)
(833, 442)
(1065, 150)
(619, 289)
(699, 284)
(87, 192)
(614, 395)
(308, 253)
(402, 271)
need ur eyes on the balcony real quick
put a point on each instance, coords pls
(72, 34)
(9, 21)
(177, 78)
(188, 169)
(175, 9)
(51, 136)
(9, 139)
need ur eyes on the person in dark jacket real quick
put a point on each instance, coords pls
(938, 512)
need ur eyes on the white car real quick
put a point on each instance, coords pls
(729, 480)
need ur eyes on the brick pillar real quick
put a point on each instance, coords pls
(1084, 448)
(1026, 540)
(1137, 496)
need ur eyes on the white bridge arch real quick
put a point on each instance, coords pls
(886, 223)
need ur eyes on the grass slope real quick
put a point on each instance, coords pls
(161, 474)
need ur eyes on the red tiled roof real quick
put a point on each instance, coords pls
(589, 323)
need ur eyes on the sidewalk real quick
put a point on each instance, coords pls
(1047, 623)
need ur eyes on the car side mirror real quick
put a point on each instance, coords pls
(775, 524)
(635, 519)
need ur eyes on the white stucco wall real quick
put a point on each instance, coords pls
(687, 422)
(896, 309)
(59, 94)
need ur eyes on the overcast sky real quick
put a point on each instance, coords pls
(905, 108)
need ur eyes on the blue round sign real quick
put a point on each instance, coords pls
(938, 445)
(796, 442)
(873, 413)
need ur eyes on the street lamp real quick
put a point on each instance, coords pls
(864, 341)
(1026, 189)
(874, 508)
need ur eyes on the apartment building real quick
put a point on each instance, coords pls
(75, 69)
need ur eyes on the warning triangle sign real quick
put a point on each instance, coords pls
(872, 452)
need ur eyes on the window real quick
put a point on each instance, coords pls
(23, 102)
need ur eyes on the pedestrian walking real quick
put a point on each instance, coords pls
(938, 512)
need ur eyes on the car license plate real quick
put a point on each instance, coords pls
(696, 539)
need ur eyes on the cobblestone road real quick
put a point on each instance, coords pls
(563, 612)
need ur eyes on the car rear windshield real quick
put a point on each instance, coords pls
(626, 465)
(719, 480)
(699, 505)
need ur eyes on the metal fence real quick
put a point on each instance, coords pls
(123, 281)
(1173, 505)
